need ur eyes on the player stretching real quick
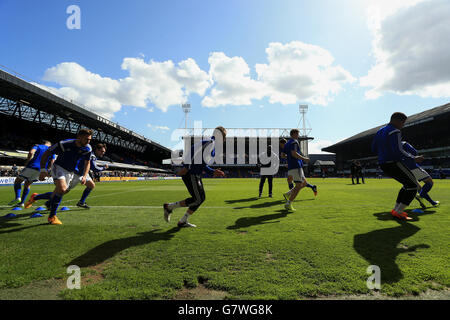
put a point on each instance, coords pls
(421, 175)
(69, 152)
(191, 175)
(391, 156)
(291, 178)
(295, 167)
(31, 172)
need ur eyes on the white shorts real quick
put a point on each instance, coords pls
(297, 174)
(61, 173)
(30, 175)
(420, 174)
(76, 180)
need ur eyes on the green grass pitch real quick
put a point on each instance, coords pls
(243, 247)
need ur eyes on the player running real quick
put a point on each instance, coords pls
(391, 157)
(291, 178)
(295, 168)
(31, 171)
(69, 152)
(421, 176)
(192, 177)
(99, 152)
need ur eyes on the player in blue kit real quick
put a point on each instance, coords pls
(191, 173)
(295, 167)
(421, 176)
(290, 178)
(31, 172)
(391, 158)
(99, 151)
(69, 152)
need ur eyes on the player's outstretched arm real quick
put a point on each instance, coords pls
(182, 172)
(44, 172)
(50, 165)
(30, 156)
(299, 156)
(87, 167)
(218, 173)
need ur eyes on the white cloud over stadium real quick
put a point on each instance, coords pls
(161, 83)
(410, 46)
(295, 72)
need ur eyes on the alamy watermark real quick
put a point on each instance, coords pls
(224, 151)
(374, 281)
(74, 20)
(74, 280)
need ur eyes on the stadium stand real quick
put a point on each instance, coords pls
(29, 114)
(244, 165)
(428, 132)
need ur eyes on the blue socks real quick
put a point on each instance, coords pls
(86, 193)
(17, 189)
(54, 204)
(291, 185)
(24, 194)
(41, 196)
(424, 192)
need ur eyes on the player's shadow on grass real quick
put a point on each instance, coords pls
(252, 221)
(384, 216)
(241, 200)
(12, 222)
(381, 247)
(262, 205)
(8, 224)
(109, 249)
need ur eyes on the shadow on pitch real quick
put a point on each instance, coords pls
(109, 249)
(262, 205)
(381, 248)
(252, 221)
(241, 200)
(10, 224)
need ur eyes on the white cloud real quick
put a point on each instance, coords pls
(160, 83)
(410, 46)
(295, 72)
(233, 85)
(84, 87)
(315, 146)
(299, 71)
(158, 128)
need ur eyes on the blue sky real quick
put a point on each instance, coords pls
(41, 47)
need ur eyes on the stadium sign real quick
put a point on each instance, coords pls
(10, 180)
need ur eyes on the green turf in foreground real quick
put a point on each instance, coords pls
(243, 248)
